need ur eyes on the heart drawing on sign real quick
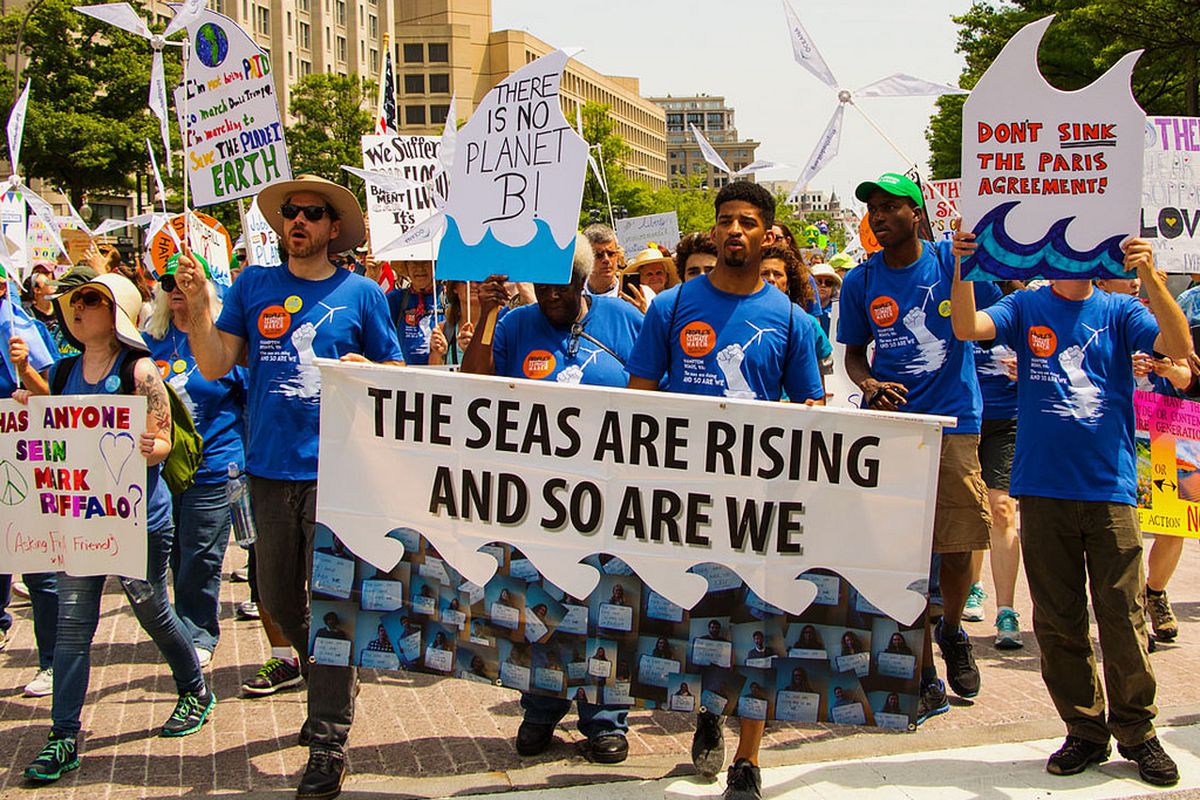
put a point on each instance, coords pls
(1171, 221)
(115, 449)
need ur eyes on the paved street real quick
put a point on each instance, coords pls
(416, 736)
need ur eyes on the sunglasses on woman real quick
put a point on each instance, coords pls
(89, 299)
(168, 283)
(311, 213)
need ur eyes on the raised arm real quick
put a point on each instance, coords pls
(1174, 338)
(478, 359)
(216, 351)
(969, 325)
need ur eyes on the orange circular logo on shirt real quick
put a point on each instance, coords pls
(538, 364)
(697, 339)
(164, 368)
(884, 311)
(274, 322)
(1042, 341)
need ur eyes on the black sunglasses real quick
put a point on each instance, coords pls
(311, 213)
(89, 299)
(168, 283)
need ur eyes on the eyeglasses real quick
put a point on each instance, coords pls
(609, 254)
(826, 282)
(89, 299)
(168, 283)
(311, 213)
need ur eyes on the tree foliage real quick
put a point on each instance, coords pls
(330, 118)
(1087, 37)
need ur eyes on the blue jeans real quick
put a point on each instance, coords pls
(594, 719)
(78, 615)
(5, 596)
(201, 536)
(44, 599)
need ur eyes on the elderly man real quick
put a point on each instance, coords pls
(280, 320)
(604, 281)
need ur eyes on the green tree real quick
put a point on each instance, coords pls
(331, 117)
(1087, 37)
(87, 121)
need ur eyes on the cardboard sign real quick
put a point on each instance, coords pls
(392, 213)
(1171, 192)
(1051, 180)
(941, 206)
(1168, 464)
(234, 136)
(516, 183)
(209, 239)
(73, 485)
(262, 245)
(635, 234)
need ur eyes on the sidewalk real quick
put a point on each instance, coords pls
(417, 736)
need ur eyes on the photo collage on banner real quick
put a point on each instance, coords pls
(842, 660)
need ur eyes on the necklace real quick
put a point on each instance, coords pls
(107, 366)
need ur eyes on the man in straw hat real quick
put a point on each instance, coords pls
(280, 319)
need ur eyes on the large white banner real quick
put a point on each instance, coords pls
(392, 213)
(636, 233)
(73, 485)
(665, 482)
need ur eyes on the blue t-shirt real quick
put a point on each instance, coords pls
(158, 496)
(999, 392)
(1189, 301)
(1075, 392)
(706, 341)
(526, 345)
(216, 406)
(415, 322)
(286, 323)
(906, 311)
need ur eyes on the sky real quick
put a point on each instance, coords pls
(718, 47)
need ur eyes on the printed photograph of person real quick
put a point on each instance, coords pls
(432, 566)
(619, 690)
(375, 649)
(575, 619)
(800, 689)
(504, 601)
(1187, 469)
(657, 659)
(454, 610)
(683, 692)
(832, 599)
(332, 640)
(756, 700)
(661, 617)
(611, 565)
(719, 690)
(412, 540)
(440, 642)
(333, 566)
(478, 633)
(756, 643)
(542, 614)
(516, 665)
(586, 693)
(806, 640)
(725, 591)
(847, 701)
(710, 644)
(614, 604)
(577, 663)
(893, 710)
(384, 590)
(476, 663)
(521, 568)
(860, 612)
(602, 657)
(549, 671)
(895, 651)
(423, 596)
(853, 652)
(404, 631)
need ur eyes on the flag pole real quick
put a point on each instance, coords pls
(899, 152)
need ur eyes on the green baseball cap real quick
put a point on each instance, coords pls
(172, 265)
(894, 184)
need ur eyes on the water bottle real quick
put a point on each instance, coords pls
(139, 591)
(238, 491)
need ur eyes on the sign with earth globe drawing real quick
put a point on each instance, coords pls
(212, 45)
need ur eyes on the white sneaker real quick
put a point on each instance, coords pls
(204, 657)
(20, 590)
(42, 684)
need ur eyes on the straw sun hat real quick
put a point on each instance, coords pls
(126, 302)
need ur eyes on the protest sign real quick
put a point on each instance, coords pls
(516, 183)
(942, 209)
(1171, 193)
(73, 485)
(1168, 464)
(13, 228)
(206, 236)
(392, 213)
(840, 390)
(42, 243)
(634, 539)
(262, 245)
(1051, 180)
(234, 141)
(636, 233)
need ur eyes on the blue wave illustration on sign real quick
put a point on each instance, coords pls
(540, 259)
(1001, 256)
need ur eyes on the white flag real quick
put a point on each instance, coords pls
(805, 49)
(826, 149)
(901, 85)
(120, 14)
(16, 128)
(710, 155)
(158, 102)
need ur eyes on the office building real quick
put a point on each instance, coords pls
(713, 118)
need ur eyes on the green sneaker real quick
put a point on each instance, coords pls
(190, 713)
(1008, 630)
(973, 610)
(58, 756)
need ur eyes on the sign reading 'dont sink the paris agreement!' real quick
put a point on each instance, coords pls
(229, 111)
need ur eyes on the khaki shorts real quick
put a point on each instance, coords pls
(963, 520)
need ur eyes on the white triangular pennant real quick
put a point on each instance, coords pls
(16, 128)
(449, 138)
(710, 155)
(902, 85)
(158, 102)
(185, 14)
(120, 14)
(823, 153)
(805, 49)
(158, 182)
(758, 166)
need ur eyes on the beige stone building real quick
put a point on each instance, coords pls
(715, 120)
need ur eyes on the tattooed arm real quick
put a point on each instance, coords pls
(156, 441)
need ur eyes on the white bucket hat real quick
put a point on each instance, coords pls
(126, 303)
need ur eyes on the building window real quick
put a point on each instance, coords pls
(304, 35)
(245, 9)
(374, 61)
(328, 41)
(716, 122)
(341, 12)
(302, 5)
(695, 119)
(439, 84)
(289, 23)
(414, 115)
(439, 53)
(414, 84)
(341, 47)
(291, 68)
(373, 25)
(305, 68)
(438, 114)
(262, 19)
(413, 54)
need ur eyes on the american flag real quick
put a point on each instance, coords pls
(385, 119)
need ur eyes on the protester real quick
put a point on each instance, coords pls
(279, 320)
(1079, 525)
(450, 338)
(412, 309)
(899, 300)
(759, 348)
(655, 270)
(98, 317)
(842, 263)
(568, 337)
(829, 286)
(201, 513)
(696, 255)
(604, 280)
